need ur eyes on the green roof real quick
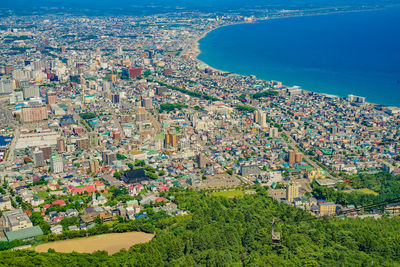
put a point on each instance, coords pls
(23, 234)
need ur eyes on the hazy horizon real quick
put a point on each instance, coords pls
(108, 7)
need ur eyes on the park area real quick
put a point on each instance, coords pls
(229, 194)
(111, 243)
(367, 191)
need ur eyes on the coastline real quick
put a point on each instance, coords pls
(196, 51)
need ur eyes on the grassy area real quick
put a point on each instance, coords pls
(228, 194)
(367, 191)
(42, 194)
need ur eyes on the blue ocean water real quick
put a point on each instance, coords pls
(344, 53)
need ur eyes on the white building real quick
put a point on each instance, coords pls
(57, 164)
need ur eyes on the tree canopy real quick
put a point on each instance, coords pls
(223, 232)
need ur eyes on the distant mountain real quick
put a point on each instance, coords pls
(115, 7)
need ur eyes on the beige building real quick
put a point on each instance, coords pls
(82, 144)
(15, 220)
(94, 166)
(327, 209)
(5, 203)
(292, 191)
(33, 113)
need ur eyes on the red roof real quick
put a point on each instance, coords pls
(47, 206)
(80, 190)
(160, 199)
(58, 202)
(97, 183)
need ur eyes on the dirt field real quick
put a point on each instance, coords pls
(109, 242)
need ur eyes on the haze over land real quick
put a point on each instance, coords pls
(125, 7)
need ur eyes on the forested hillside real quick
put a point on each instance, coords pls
(221, 231)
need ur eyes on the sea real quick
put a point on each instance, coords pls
(339, 53)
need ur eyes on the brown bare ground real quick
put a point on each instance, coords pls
(111, 243)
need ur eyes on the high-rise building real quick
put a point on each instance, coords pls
(260, 117)
(51, 98)
(6, 86)
(82, 144)
(47, 150)
(61, 145)
(273, 132)
(161, 90)
(31, 91)
(292, 192)
(263, 119)
(94, 166)
(171, 140)
(109, 157)
(146, 103)
(292, 157)
(57, 164)
(33, 113)
(113, 78)
(38, 158)
(201, 161)
(256, 115)
(142, 115)
(115, 98)
(299, 157)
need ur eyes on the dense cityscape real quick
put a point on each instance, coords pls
(105, 121)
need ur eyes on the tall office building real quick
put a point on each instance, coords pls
(109, 157)
(57, 164)
(61, 145)
(256, 116)
(47, 150)
(146, 103)
(161, 90)
(263, 119)
(94, 166)
(113, 78)
(299, 157)
(201, 161)
(33, 113)
(292, 157)
(31, 91)
(38, 158)
(51, 98)
(6, 86)
(273, 132)
(82, 144)
(292, 192)
(115, 98)
(142, 115)
(170, 140)
(260, 117)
